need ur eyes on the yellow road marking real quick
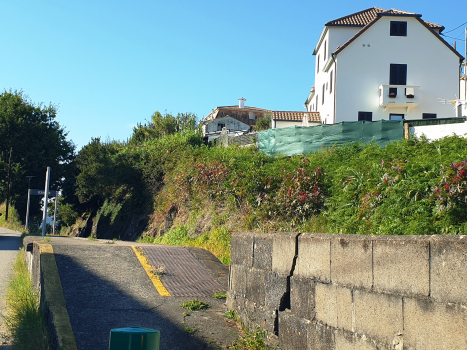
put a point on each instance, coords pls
(150, 271)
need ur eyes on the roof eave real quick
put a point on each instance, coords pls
(461, 58)
(320, 41)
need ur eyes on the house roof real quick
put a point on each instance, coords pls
(365, 17)
(235, 109)
(295, 116)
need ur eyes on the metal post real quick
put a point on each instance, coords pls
(46, 199)
(55, 213)
(8, 187)
(27, 210)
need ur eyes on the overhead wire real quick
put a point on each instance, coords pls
(449, 31)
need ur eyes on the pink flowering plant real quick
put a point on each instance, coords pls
(450, 194)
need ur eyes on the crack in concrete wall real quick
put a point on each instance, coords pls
(324, 291)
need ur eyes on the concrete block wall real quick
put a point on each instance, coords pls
(326, 291)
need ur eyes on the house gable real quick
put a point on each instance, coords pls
(381, 15)
(364, 68)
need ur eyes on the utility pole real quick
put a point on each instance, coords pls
(8, 187)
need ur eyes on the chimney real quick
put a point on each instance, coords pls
(241, 102)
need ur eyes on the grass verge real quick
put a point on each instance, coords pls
(24, 318)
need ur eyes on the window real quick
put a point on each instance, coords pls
(322, 98)
(325, 55)
(398, 74)
(316, 103)
(251, 115)
(366, 116)
(317, 65)
(429, 115)
(220, 126)
(330, 82)
(398, 28)
(396, 117)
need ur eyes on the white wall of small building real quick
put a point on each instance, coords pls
(278, 124)
(435, 132)
(230, 124)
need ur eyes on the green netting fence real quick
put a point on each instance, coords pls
(298, 140)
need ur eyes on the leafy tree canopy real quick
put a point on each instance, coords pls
(37, 141)
(163, 125)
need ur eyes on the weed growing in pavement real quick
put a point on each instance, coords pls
(92, 238)
(230, 314)
(194, 304)
(46, 239)
(219, 294)
(190, 330)
(159, 271)
(24, 318)
(251, 340)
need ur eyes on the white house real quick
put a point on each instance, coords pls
(285, 119)
(383, 64)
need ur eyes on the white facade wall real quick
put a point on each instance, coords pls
(332, 39)
(362, 69)
(463, 96)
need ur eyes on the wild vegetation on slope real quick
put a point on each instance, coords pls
(193, 194)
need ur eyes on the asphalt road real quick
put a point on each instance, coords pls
(105, 287)
(9, 246)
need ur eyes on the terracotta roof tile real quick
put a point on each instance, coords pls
(295, 116)
(363, 18)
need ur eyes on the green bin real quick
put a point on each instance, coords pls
(134, 338)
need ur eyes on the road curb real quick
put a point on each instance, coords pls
(53, 300)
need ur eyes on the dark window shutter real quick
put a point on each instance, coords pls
(366, 116)
(398, 28)
(398, 74)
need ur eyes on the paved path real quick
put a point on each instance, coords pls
(9, 246)
(106, 287)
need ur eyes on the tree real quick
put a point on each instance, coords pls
(263, 123)
(38, 141)
(162, 125)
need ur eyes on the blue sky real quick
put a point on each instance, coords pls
(111, 64)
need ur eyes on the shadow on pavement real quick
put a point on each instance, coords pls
(105, 289)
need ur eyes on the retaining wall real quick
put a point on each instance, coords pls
(325, 291)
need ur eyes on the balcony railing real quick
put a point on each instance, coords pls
(399, 96)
